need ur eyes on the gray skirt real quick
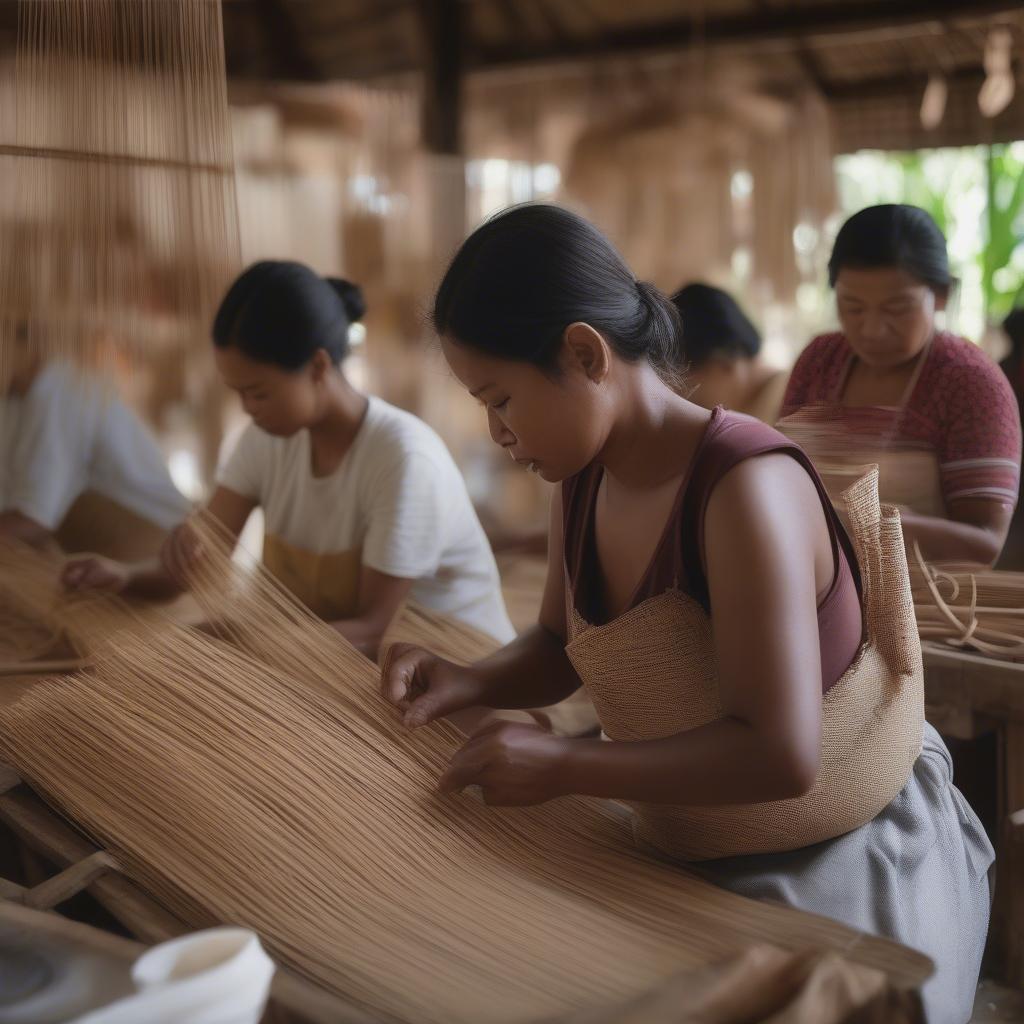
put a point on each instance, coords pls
(919, 873)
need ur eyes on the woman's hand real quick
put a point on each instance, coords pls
(94, 572)
(513, 764)
(180, 554)
(427, 687)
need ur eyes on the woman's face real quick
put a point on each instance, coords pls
(554, 424)
(887, 315)
(280, 402)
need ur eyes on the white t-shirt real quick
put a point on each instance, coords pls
(70, 433)
(397, 494)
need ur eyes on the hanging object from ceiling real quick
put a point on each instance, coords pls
(933, 102)
(999, 86)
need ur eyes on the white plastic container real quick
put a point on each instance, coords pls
(218, 976)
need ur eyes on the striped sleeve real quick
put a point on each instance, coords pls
(980, 450)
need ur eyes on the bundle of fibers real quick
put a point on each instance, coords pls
(969, 606)
(264, 781)
(451, 639)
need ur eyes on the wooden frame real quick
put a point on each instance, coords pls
(967, 695)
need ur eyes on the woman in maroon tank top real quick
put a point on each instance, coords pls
(573, 360)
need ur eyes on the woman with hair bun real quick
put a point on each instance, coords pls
(761, 714)
(364, 506)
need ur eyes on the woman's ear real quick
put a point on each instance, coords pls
(941, 299)
(584, 348)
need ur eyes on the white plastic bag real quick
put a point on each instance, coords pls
(218, 976)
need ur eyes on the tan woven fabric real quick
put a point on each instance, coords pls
(969, 606)
(651, 673)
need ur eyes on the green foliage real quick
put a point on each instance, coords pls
(975, 194)
(1002, 259)
(919, 190)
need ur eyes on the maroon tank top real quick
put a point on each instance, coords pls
(677, 563)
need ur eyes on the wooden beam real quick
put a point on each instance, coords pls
(806, 56)
(441, 32)
(69, 882)
(517, 23)
(548, 14)
(285, 40)
(889, 85)
(764, 28)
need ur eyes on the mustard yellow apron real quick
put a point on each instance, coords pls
(327, 584)
(651, 673)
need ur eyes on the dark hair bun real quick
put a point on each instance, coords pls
(351, 296)
(282, 312)
(530, 271)
(714, 325)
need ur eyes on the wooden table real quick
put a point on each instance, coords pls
(967, 695)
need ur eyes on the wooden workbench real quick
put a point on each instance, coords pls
(966, 696)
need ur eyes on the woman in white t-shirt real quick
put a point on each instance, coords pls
(364, 506)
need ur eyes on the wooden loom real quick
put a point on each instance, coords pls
(118, 212)
(616, 923)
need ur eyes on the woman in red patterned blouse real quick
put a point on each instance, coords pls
(930, 407)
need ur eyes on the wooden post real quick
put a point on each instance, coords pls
(1007, 932)
(441, 130)
(444, 168)
(441, 29)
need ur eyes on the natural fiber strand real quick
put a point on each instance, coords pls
(22, 637)
(970, 607)
(263, 781)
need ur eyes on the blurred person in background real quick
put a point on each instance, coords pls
(722, 352)
(891, 388)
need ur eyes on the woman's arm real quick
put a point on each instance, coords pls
(164, 577)
(979, 452)
(380, 597)
(974, 532)
(765, 531)
(532, 671)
